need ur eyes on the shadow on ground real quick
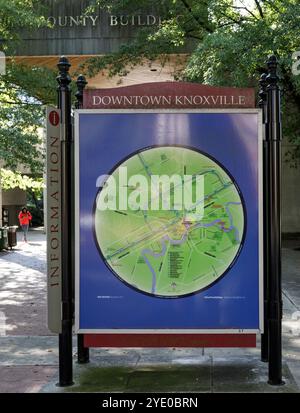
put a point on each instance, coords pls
(208, 374)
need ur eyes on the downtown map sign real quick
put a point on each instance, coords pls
(168, 205)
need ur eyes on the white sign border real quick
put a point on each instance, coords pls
(77, 114)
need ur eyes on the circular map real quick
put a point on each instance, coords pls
(169, 221)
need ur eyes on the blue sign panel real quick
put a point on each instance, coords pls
(168, 221)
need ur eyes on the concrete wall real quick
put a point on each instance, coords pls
(98, 33)
(13, 200)
(14, 197)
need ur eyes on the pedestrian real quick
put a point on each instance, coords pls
(24, 219)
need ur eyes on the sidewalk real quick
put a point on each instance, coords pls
(23, 286)
(29, 354)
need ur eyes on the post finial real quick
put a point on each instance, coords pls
(272, 78)
(63, 78)
(81, 84)
(81, 81)
(263, 90)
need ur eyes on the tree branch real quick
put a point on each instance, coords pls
(238, 22)
(20, 103)
(226, 24)
(244, 8)
(259, 9)
(196, 18)
(191, 36)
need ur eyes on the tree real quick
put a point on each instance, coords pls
(184, 24)
(11, 180)
(228, 42)
(19, 14)
(32, 185)
(23, 90)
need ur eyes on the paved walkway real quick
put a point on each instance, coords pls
(23, 287)
(29, 356)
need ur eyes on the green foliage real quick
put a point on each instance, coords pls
(32, 185)
(34, 82)
(12, 180)
(228, 42)
(237, 57)
(182, 27)
(19, 14)
(23, 90)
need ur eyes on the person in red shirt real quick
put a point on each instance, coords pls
(24, 219)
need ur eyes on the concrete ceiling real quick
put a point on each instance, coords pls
(149, 72)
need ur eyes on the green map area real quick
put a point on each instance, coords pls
(165, 252)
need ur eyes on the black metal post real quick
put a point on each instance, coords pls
(263, 105)
(65, 338)
(81, 84)
(274, 154)
(83, 353)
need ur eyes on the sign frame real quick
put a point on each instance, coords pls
(115, 332)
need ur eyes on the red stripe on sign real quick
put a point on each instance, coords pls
(166, 95)
(170, 340)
